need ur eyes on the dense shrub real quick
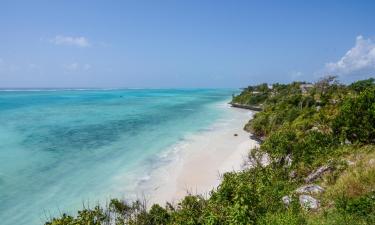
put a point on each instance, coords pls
(190, 211)
(362, 85)
(280, 144)
(286, 217)
(313, 147)
(361, 206)
(159, 215)
(356, 121)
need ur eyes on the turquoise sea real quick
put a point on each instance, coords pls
(62, 148)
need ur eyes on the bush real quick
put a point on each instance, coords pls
(287, 217)
(362, 85)
(314, 147)
(280, 144)
(356, 121)
(190, 211)
(158, 215)
(361, 206)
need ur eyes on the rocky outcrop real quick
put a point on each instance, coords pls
(259, 139)
(350, 163)
(286, 200)
(258, 158)
(292, 174)
(308, 202)
(317, 173)
(310, 189)
(242, 106)
(288, 160)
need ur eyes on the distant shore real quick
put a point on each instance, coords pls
(203, 158)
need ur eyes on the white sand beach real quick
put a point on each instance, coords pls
(202, 158)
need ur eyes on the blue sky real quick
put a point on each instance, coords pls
(183, 43)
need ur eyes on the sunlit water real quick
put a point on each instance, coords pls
(61, 148)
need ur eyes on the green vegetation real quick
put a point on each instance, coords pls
(304, 127)
(252, 95)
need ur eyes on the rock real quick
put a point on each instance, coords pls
(265, 160)
(259, 139)
(244, 106)
(257, 158)
(286, 200)
(292, 174)
(334, 101)
(288, 160)
(317, 173)
(350, 163)
(311, 189)
(308, 202)
(314, 129)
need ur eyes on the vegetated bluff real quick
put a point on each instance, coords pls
(319, 139)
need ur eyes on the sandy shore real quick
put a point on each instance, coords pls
(201, 159)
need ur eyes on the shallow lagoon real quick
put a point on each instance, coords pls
(62, 148)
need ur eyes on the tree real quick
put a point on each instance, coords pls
(356, 120)
(361, 85)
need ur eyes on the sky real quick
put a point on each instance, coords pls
(183, 44)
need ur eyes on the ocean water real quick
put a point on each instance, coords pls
(64, 148)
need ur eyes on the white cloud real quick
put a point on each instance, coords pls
(73, 41)
(359, 59)
(74, 67)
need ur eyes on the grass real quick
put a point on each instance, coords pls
(351, 199)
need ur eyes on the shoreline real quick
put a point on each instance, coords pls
(200, 161)
(249, 107)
